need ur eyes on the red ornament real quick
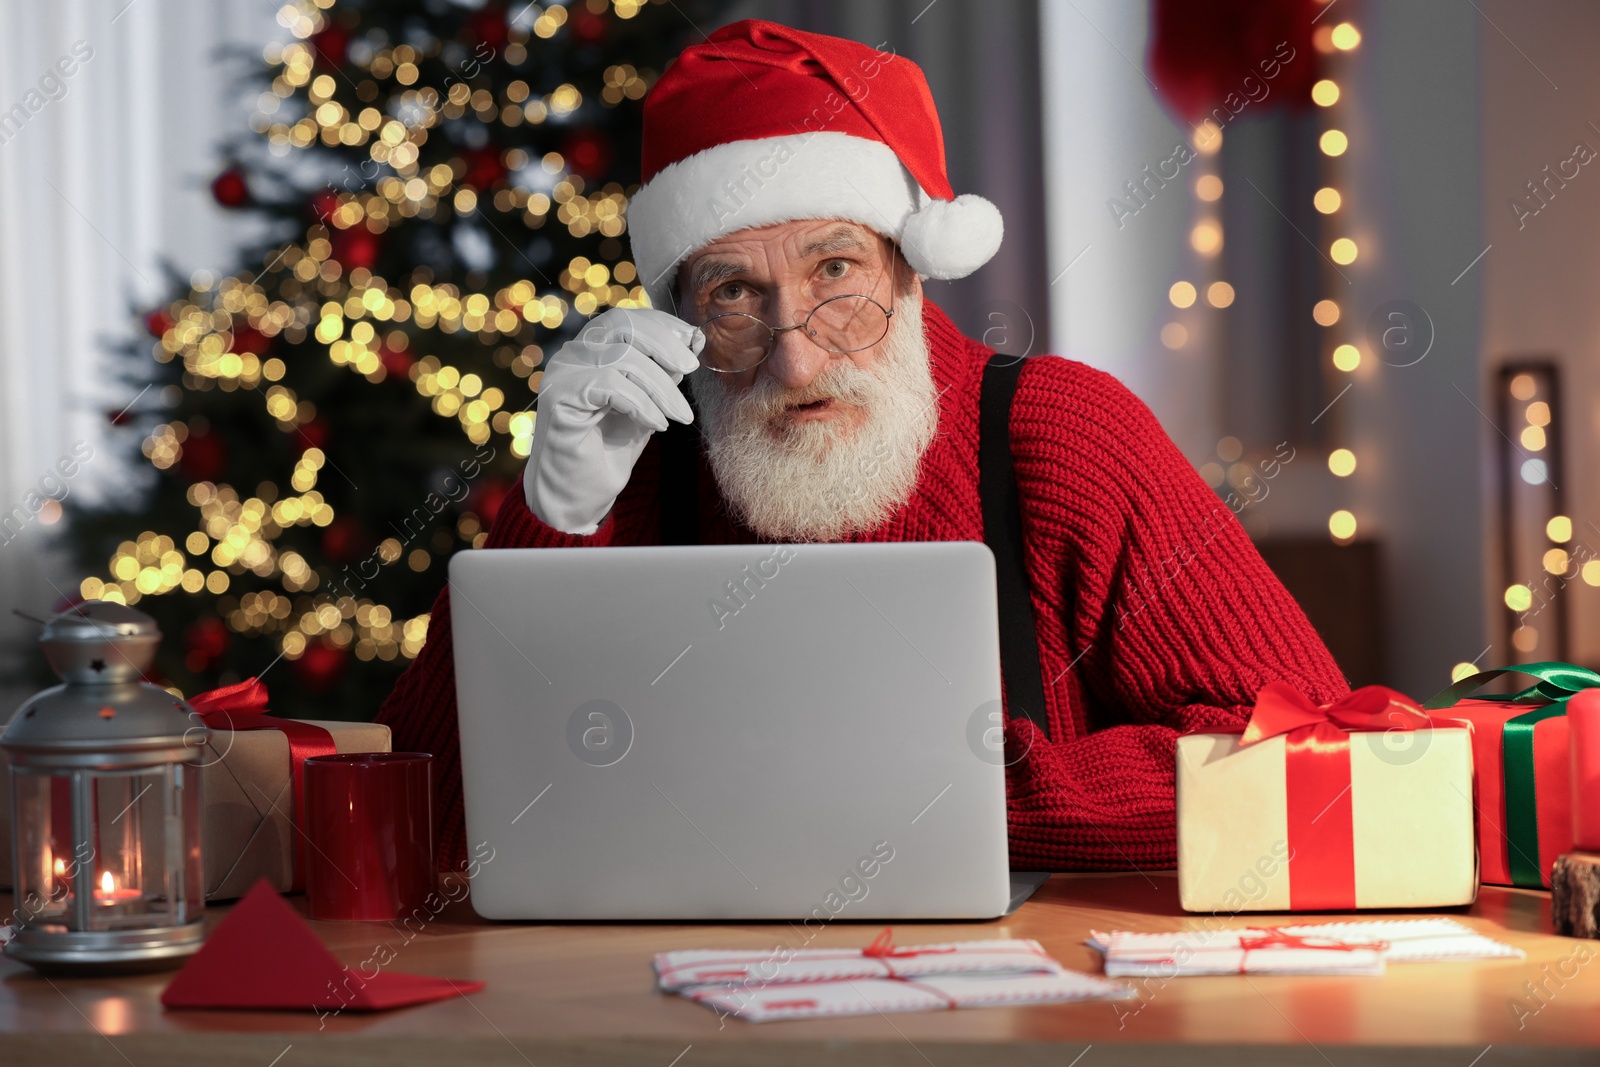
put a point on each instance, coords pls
(247, 338)
(488, 27)
(204, 642)
(484, 167)
(395, 362)
(330, 45)
(320, 667)
(588, 27)
(158, 322)
(310, 434)
(64, 603)
(587, 153)
(324, 204)
(345, 540)
(205, 457)
(485, 500)
(230, 188)
(356, 247)
(1203, 51)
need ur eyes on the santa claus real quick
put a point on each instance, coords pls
(794, 199)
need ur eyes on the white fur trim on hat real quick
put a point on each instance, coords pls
(824, 175)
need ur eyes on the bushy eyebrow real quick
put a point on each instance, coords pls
(712, 272)
(844, 239)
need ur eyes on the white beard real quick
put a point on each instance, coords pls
(812, 480)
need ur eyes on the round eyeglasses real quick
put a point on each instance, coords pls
(738, 342)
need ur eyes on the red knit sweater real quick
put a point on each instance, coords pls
(1155, 614)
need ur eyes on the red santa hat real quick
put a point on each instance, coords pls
(762, 124)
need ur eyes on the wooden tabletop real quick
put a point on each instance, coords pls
(584, 993)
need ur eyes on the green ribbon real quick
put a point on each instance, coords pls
(1555, 683)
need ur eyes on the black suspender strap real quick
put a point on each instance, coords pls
(1002, 532)
(680, 482)
(1002, 528)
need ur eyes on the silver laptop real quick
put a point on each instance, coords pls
(793, 732)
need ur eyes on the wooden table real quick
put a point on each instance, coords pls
(583, 994)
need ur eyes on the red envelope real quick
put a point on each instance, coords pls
(263, 955)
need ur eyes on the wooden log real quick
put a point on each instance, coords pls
(1575, 894)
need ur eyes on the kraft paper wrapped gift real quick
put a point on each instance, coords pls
(248, 792)
(1326, 808)
(247, 787)
(1522, 751)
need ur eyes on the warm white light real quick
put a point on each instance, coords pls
(1342, 525)
(1525, 639)
(1206, 238)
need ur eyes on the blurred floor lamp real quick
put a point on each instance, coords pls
(1535, 531)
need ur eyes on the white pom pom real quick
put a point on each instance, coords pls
(952, 238)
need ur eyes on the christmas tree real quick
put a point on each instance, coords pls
(445, 188)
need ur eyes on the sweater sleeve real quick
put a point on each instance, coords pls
(1170, 623)
(421, 709)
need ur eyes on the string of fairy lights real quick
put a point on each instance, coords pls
(1530, 408)
(1333, 42)
(1210, 290)
(359, 317)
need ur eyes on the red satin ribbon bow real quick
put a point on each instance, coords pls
(1322, 867)
(243, 707)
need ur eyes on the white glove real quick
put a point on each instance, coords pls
(602, 395)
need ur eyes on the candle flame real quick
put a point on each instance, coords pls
(108, 884)
(61, 867)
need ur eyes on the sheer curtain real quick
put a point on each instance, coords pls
(112, 115)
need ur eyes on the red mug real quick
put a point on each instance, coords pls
(369, 834)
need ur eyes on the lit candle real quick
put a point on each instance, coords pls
(108, 893)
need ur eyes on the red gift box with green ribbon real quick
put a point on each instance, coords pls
(1523, 780)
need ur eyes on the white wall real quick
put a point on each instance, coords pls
(1541, 283)
(1102, 125)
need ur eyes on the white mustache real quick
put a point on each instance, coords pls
(843, 381)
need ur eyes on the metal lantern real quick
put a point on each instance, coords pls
(105, 804)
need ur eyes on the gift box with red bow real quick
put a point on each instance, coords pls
(251, 786)
(1362, 803)
(1520, 747)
